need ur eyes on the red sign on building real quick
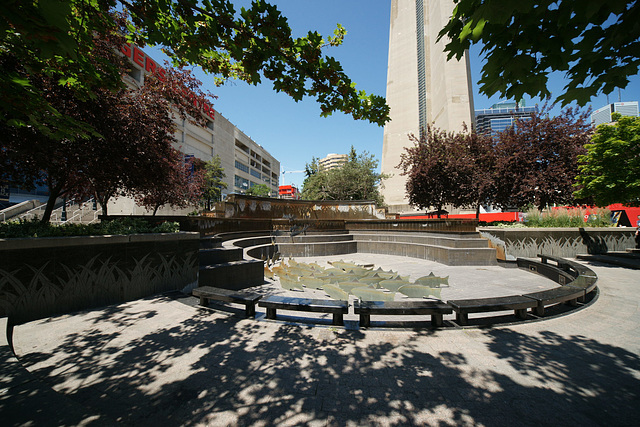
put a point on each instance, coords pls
(148, 65)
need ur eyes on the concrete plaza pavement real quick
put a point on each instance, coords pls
(161, 361)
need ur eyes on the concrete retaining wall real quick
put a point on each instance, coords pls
(40, 277)
(512, 243)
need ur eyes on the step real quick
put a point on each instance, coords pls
(214, 256)
(232, 275)
(442, 254)
(613, 260)
(466, 241)
(210, 242)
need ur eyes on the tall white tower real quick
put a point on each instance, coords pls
(422, 86)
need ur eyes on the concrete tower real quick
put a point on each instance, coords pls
(422, 86)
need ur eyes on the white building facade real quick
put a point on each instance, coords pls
(245, 162)
(422, 86)
(603, 115)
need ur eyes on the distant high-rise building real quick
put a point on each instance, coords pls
(332, 161)
(603, 115)
(501, 116)
(422, 86)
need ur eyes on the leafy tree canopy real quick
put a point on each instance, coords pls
(610, 170)
(128, 150)
(357, 179)
(595, 43)
(213, 181)
(536, 159)
(447, 168)
(260, 190)
(51, 36)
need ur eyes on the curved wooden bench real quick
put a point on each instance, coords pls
(518, 303)
(584, 277)
(248, 299)
(563, 294)
(277, 302)
(433, 308)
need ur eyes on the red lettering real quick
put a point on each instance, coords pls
(162, 76)
(126, 49)
(138, 56)
(151, 65)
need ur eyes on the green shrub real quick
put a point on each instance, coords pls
(34, 228)
(568, 218)
(562, 217)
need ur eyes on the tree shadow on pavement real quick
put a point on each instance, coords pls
(134, 365)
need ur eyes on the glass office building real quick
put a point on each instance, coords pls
(501, 116)
(603, 115)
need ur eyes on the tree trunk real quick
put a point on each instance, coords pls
(155, 210)
(54, 193)
(104, 201)
(478, 212)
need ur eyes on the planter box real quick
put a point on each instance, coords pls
(512, 243)
(41, 277)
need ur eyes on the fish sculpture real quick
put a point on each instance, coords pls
(335, 292)
(433, 281)
(290, 284)
(369, 280)
(368, 294)
(312, 283)
(392, 285)
(419, 291)
(348, 286)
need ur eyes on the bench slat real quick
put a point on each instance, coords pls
(249, 299)
(227, 295)
(275, 302)
(518, 303)
(434, 308)
(557, 295)
(402, 307)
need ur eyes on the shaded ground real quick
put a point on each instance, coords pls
(159, 361)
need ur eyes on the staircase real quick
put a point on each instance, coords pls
(225, 267)
(75, 213)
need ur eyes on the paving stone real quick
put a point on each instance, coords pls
(160, 361)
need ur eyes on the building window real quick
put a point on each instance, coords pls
(241, 146)
(242, 167)
(136, 74)
(256, 174)
(241, 183)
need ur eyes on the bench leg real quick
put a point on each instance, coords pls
(462, 318)
(572, 302)
(365, 320)
(271, 313)
(582, 299)
(250, 310)
(539, 310)
(521, 313)
(204, 301)
(338, 319)
(436, 320)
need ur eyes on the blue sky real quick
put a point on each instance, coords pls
(294, 132)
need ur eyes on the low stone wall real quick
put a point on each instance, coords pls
(512, 243)
(244, 206)
(40, 277)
